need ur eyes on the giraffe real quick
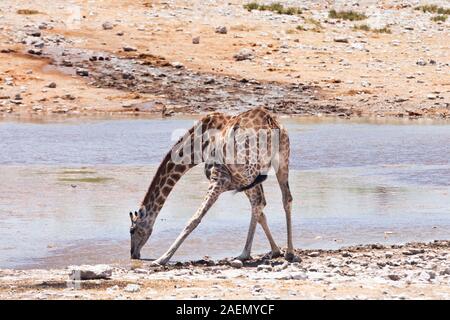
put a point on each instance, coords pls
(225, 140)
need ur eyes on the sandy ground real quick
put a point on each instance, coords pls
(327, 69)
(410, 271)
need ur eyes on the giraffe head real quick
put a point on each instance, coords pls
(141, 228)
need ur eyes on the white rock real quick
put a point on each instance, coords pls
(89, 272)
(132, 288)
(236, 264)
(243, 54)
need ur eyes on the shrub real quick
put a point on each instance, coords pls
(441, 18)
(432, 8)
(365, 27)
(27, 11)
(274, 7)
(346, 15)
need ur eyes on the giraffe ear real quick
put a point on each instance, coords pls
(142, 212)
(131, 215)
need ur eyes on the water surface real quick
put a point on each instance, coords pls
(66, 190)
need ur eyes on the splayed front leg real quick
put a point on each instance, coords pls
(215, 189)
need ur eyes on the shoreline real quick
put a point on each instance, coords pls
(126, 115)
(408, 271)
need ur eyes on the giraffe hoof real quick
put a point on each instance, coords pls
(290, 256)
(275, 254)
(243, 257)
(155, 264)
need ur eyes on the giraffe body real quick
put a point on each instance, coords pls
(238, 152)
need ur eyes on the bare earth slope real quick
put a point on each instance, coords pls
(139, 56)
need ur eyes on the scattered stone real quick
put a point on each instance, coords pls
(299, 276)
(196, 40)
(68, 97)
(67, 63)
(34, 33)
(221, 30)
(129, 49)
(244, 54)
(51, 85)
(107, 25)
(394, 277)
(411, 252)
(236, 264)
(177, 65)
(445, 272)
(341, 39)
(264, 267)
(132, 288)
(82, 72)
(90, 272)
(421, 62)
(314, 254)
(37, 52)
(424, 276)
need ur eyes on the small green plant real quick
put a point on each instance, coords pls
(346, 15)
(365, 27)
(432, 8)
(300, 28)
(251, 6)
(382, 30)
(274, 7)
(27, 11)
(439, 18)
(314, 22)
(362, 27)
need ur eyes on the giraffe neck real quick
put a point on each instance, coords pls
(167, 175)
(169, 172)
(162, 184)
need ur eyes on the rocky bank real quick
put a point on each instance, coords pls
(409, 271)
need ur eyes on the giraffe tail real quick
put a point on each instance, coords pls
(259, 179)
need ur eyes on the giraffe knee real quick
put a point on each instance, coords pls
(262, 218)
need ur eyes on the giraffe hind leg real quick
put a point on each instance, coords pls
(258, 202)
(282, 172)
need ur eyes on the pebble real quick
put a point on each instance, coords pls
(82, 72)
(132, 288)
(196, 40)
(221, 30)
(177, 65)
(411, 252)
(394, 277)
(37, 52)
(421, 62)
(264, 267)
(341, 39)
(51, 85)
(243, 54)
(107, 25)
(445, 272)
(90, 272)
(129, 49)
(236, 263)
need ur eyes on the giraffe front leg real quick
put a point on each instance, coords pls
(245, 255)
(213, 193)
